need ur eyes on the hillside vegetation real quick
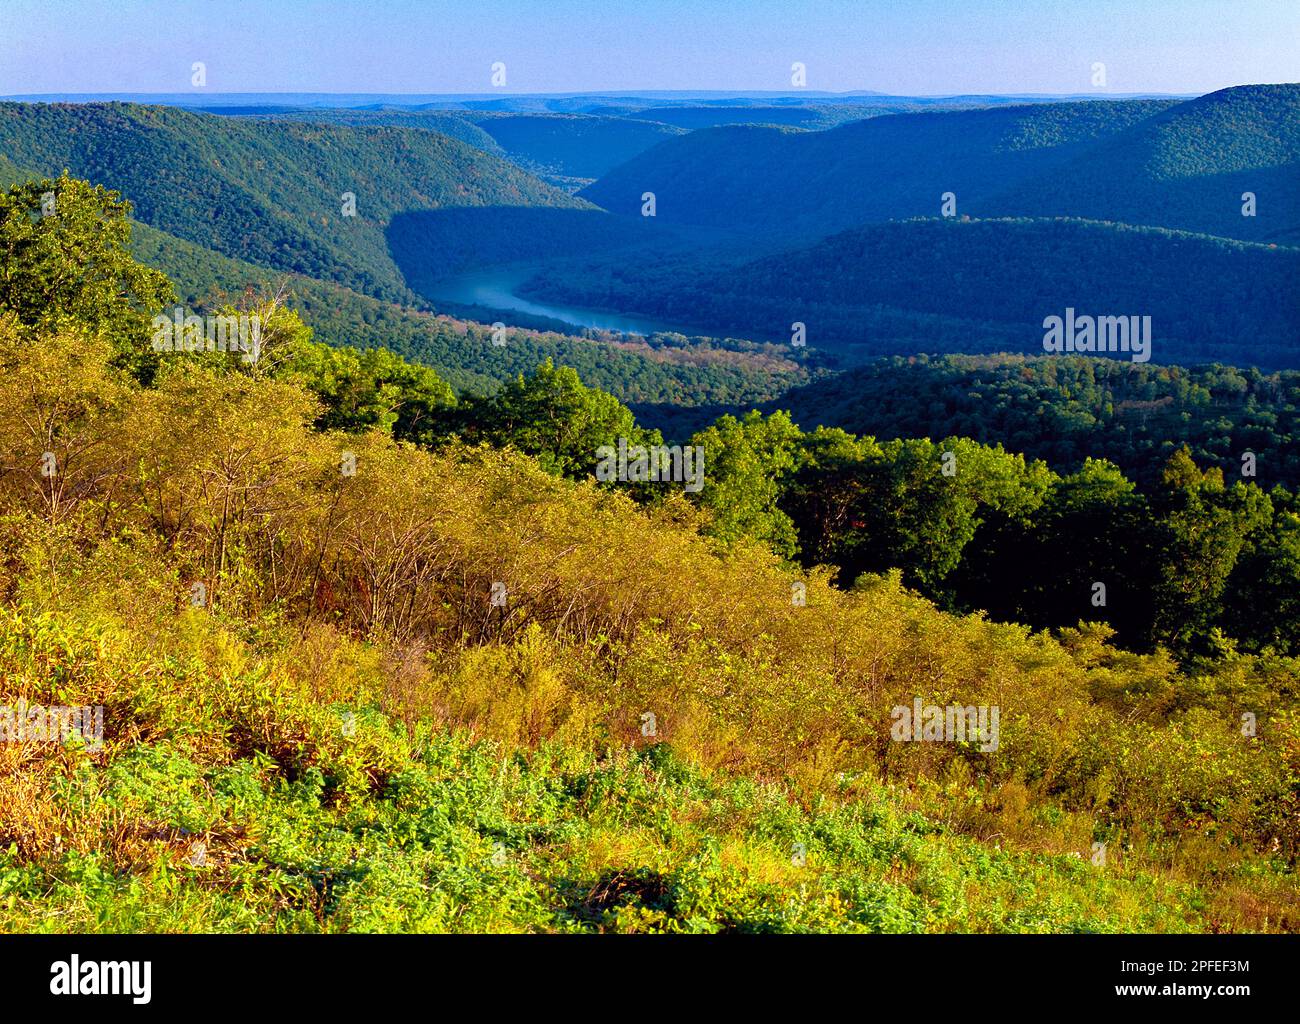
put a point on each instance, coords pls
(974, 286)
(352, 682)
(1186, 167)
(1162, 163)
(756, 227)
(359, 739)
(271, 193)
(1065, 409)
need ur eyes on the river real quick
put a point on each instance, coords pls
(494, 288)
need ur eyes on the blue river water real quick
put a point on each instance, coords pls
(495, 287)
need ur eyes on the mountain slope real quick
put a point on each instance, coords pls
(1165, 163)
(454, 124)
(11, 174)
(770, 180)
(1186, 167)
(980, 286)
(670, 385)
(271, 193)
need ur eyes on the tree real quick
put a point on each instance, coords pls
(374, 388)
(910, 504)
(825, 490)
(1201, 528)
(65, 261)
(1093, 527)
(552, 416)
(1262, 599)
(746, 461)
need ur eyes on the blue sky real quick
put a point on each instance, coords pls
(919, 47)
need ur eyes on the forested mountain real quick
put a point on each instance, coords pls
(271, 193)
(944, 285)
(1166, 163)
(1185, 167)
(769, 180)
(577, 146)
(1146, 172)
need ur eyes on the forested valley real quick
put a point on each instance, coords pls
(353, 628)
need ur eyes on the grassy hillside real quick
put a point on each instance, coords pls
(345, 734)
(268, 192)
(245, 806)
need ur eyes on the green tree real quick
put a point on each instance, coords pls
(375, 388)
(746, 461)
(1201, 528)
(822, 496)
(551, 415)
(1262, 601)
(909, 504)
(65, 262)
(1093, 527)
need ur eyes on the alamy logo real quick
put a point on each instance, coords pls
(638, 464)
(233, 333)
(34, 723)
(1098, 334)
(132, 978)
(952, 724)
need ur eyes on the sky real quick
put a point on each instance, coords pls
(907, 47)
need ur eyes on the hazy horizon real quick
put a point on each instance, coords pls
(800, 94)
(930, 48)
